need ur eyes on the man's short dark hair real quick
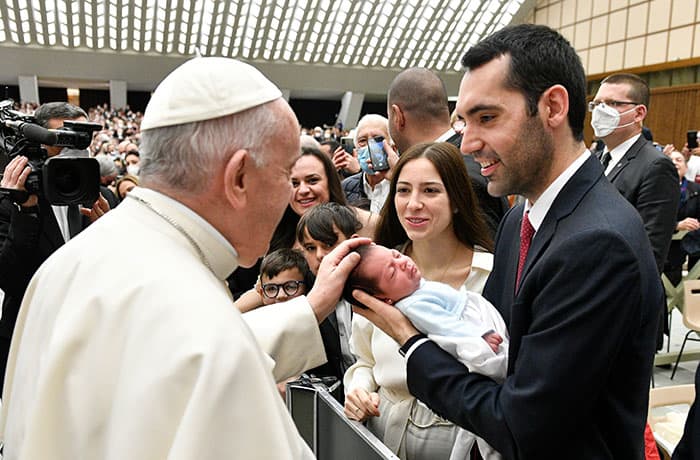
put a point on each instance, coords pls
(539, 58)
(420, 92)
(639, 90)
(57, 110)
(286, 259)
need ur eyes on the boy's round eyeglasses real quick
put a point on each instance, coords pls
(272, 290)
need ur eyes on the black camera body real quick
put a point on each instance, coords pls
(62, 180)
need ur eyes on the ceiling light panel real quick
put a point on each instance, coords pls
(379, 33)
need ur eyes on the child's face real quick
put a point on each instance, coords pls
(291, 279)
(314, 250)
(396, 275)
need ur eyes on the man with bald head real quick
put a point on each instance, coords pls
(418, 112)
(152, 360)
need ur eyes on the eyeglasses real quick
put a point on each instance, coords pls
(612, 103)
(272, 290)
(362, 141)
(458, 125)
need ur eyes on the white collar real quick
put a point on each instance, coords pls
(218, 253)
(446, 135)
(538, 211)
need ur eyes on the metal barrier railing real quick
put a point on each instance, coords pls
(321, 422)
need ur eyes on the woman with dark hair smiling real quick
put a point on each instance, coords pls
(314, 181)
(432, 216)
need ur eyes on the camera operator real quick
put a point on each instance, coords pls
(32, 230)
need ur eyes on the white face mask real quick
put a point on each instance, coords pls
(606, 119)
(133, 170)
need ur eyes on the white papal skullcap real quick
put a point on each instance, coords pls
(204, 88)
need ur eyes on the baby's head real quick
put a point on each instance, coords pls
(284, 274)
(384, 273)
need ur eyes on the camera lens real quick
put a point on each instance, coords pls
(67, 180)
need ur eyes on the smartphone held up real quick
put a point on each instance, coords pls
(377, 154)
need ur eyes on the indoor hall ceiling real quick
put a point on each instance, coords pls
(379, 34)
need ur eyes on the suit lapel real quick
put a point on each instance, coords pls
(49, 226)
(626, 158)
(565, 202)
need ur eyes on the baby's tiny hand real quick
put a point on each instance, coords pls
(494, 339)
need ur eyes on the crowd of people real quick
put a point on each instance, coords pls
(460, 327)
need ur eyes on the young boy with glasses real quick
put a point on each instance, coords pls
(284, 274)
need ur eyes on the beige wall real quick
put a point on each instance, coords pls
(611, 35)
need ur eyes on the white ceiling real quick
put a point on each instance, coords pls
(333, 45)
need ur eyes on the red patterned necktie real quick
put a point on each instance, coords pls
(526, 233)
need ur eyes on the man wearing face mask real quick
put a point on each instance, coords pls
(368, 189)
(32, 230)
(641, 173)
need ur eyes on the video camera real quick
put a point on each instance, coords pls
(62, 180)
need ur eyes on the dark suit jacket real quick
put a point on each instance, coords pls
(26, 241)
(331, 344)
(354, 190)
(689, 446)
(648, 180)
(582, 334)
(492, 208)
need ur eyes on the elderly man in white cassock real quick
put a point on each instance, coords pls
(116, 360)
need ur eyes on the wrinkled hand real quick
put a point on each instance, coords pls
(15, 176)
(688, 224)
(346, 161)
(386, 317)
(392, 158)
(98, 209)
(361, 404)
(494, 339)
(332, 274)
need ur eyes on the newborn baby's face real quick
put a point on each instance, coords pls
(395, 274)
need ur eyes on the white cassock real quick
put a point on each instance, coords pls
(128, 346)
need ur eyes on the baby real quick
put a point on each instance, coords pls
(463, 323)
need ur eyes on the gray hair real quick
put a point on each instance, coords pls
(372, 118)
(107, 166)
(57, 110)
(187, 156)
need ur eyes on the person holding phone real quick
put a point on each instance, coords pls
(691, 152)
(369, 188)
(345, 158)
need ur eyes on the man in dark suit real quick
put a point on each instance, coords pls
(418, 112)
(580, 297)
(642, 174)
(32, 230)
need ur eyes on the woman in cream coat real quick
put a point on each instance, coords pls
(431, 214)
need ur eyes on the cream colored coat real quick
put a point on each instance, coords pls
(380, 367)
(141, 354)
